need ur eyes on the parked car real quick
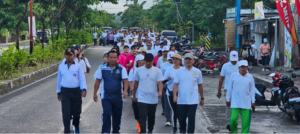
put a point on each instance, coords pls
(124, 28)
(109, 29)
(40, 39)
(135, 29)
(170, 34)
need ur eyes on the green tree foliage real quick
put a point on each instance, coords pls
(133, 14)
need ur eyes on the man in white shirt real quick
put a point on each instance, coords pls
(240, 97)
(147, 79)
(167, 110)
(95, 38)
(77, 59)
(104, 35)
(149, 48)
(163, 58)
(188, 84)
(252, 55)
(157, 47)
(226, 72)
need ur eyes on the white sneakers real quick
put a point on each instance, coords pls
(263, 69)
(168, 123)
(267, 70)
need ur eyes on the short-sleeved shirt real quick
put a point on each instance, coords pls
(131, 78)
(264, 48)
(95, 35)
(227, 70)
(170, 73)
(164, 67)
(147, 88)
(188, 81)
(112, 81)
(253, 46)
(245, 47)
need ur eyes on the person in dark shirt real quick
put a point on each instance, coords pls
(245, 51)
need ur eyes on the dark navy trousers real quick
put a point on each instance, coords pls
(112, 110)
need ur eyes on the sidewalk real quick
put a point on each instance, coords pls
(11, 43)
(263, 77)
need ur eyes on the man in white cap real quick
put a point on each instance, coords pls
(188, 84)
(240, 97)
(226, 72)
(164, 99)
(163, 58)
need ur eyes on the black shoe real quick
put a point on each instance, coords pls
(149, 132)
(174, 131)
(163, 113)
(228, 127)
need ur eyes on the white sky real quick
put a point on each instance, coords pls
(112, 8)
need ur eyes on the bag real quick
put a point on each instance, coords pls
(266, 54)
(245, 53)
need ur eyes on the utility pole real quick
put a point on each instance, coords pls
(31, 30)
(237, 21)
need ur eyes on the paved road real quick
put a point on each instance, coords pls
(35, 109)
(22, 46)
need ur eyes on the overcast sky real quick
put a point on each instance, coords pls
(112, 8)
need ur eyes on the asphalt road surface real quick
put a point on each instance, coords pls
(22, 46)
(34, 108)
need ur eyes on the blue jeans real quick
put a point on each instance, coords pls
(265, 60)
(105, 41)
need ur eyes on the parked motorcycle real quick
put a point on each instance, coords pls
(212, 63)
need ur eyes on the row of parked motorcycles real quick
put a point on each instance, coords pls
(284, 95)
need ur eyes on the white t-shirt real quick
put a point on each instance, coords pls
(227, 70)
(151, 51)
(95, 35)
(156, 49)
(165, 66)
(144, 44)
(147, 88)
(170, 73)
(253, 48)
(131, 78)
(188, 81)
(241, 91)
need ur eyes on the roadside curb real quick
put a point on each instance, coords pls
(259, 79)
(33, 76)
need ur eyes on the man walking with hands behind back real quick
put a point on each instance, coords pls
(113, 76)
(147, 78)
(240, 97)
(188, 83)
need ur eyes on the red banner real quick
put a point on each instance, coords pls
(284, 11)
(297, 3)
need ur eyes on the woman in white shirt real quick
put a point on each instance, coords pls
(169, 77)
(135, 37)
(139, 62)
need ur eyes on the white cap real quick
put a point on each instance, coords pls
(234, 56)
(105, 53)
(265, 40)
(130, 38)
(170, 54)
(166, 48)
(138, 58)
(243, 63)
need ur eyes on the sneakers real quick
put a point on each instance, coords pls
(76, 130)
(174, 131)
(168, 123)
(149, 132)
(228, 127)
(267, 70)
(138, 127)
(263, 69)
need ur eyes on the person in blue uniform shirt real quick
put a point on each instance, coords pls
(71, 87)
(113, 76)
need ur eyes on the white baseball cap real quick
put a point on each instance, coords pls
(170, 54)
(243, 63)
(265, 40)
(234, 56)
(166, 48)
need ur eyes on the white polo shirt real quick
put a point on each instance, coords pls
(188, 81)
(165, 66)
(151, 51)
(81, 62)
(227, 70)
(70, 77)
(170, 73)
(147, 88)
(241, 91)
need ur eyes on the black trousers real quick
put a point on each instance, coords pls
(173, 106)
(95, 42)
(146, 111)
(135, 110)
(187, 111)
(71, 103)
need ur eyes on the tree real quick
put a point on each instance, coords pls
(133, 14)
